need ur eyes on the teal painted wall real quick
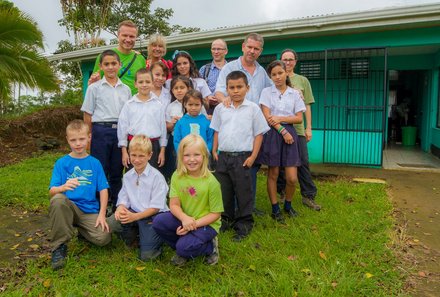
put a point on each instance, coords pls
(86, 69)
(337, 40)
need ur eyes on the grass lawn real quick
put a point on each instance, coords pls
(339, 251)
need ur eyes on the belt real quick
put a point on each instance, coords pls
(235, 154)
(113, 125)
(130, 137)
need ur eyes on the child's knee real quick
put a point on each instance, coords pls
(291, 181)
(102, 239)
(58, 201)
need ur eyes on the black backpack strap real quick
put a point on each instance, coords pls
(128, 66)
(207, 70)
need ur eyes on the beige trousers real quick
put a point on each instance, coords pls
(65, 215)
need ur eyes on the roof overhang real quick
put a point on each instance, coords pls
(392, 18)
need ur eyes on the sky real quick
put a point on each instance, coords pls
(212, 14)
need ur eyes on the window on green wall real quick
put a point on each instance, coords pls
(264, 60)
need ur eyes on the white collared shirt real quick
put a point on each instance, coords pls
(285, 105)
(104, 102)
(199, 84)
(165, 97)
(142, 117)
(147, 190)
(238, 127)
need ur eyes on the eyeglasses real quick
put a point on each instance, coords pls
(217, 49)
(288, 60)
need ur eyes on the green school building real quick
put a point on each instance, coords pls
(367, 70)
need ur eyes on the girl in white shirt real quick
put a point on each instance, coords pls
(282, 106)
(160, 73)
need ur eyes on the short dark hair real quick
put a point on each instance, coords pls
(110, 53)
(256, 37)
(237, 74)
(142, 71)
(274, 64)
(288, 50)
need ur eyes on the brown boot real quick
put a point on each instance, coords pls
(310, 203)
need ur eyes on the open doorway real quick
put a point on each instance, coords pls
(405, 102)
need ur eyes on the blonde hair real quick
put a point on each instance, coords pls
(156, 39)
(193, 140)
(77, 125)
(140, 143)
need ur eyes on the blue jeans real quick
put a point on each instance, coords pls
(148, 238)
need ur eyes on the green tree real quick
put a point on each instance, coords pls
(148, 23)
(85, 19)
(21, 61)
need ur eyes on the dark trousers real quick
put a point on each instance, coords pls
(193, 244)
(148, 238)
(104, 147)
(236, 185)
(170, 159)
(308, 188)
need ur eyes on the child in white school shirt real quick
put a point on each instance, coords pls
(143, 114)
(238, 135)
(143, 195)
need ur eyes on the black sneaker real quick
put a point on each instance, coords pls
(59, 257)
(150, 255)
(213, 258)
(278, 216)
(178, 261)
(310, 203)
(291, 213)
(238, 237)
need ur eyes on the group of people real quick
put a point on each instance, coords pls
(204, 133)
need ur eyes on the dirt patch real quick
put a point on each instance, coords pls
(33, 134)
(416, 199)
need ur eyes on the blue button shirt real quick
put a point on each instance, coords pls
(257, 82)
(213, 74)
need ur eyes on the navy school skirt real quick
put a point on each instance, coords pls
(276, 152)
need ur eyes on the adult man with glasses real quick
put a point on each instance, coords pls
(211, 71)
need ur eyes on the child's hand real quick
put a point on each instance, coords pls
(189, 224)
(70, 184)
(249, 162)
(273, 120)
(121, 210)
(100, 221)
(215, 155)
(125, 158)
(175, 119)
(209, 117)
(161, 158)
(128, 217)
(180, 231)
(288, 138)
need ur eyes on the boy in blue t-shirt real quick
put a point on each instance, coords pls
(76, 178)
